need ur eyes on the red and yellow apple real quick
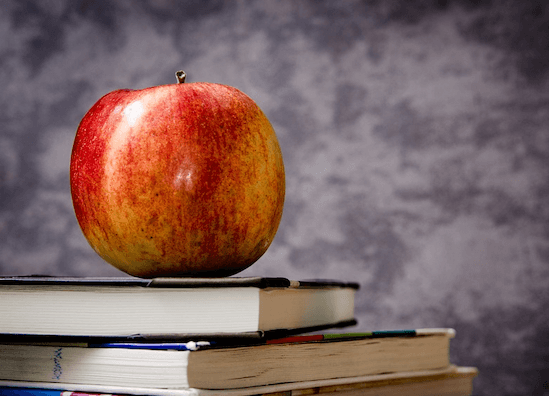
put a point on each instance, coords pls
(184, 179)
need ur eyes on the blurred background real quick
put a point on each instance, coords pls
(415, 136)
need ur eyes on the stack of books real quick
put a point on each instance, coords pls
(226, 336)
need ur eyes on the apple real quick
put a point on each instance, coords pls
(182, 179)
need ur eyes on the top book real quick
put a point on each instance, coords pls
(171, 308)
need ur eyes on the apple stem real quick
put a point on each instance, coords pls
(180, 75)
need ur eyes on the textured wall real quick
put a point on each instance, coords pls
(415, 136)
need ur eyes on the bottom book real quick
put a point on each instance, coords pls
(453, 381)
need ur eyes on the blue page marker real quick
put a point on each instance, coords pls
(187, 346)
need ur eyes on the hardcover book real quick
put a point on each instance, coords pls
(171, 308)
(217, 366)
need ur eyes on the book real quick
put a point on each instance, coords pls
(452, 381)
(171, 308)
(215, 365)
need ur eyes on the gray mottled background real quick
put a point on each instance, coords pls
(415, 137)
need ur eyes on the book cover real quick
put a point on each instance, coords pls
(234, 281)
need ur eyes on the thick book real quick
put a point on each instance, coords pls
(452, 381)
(171, 308)
(208, 365)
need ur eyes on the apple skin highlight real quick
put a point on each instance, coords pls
(177, 180)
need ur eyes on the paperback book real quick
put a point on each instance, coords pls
(452, 381)
(220, 366)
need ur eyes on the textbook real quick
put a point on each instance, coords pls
(213, 365)
(171, 308)
(452, 381)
